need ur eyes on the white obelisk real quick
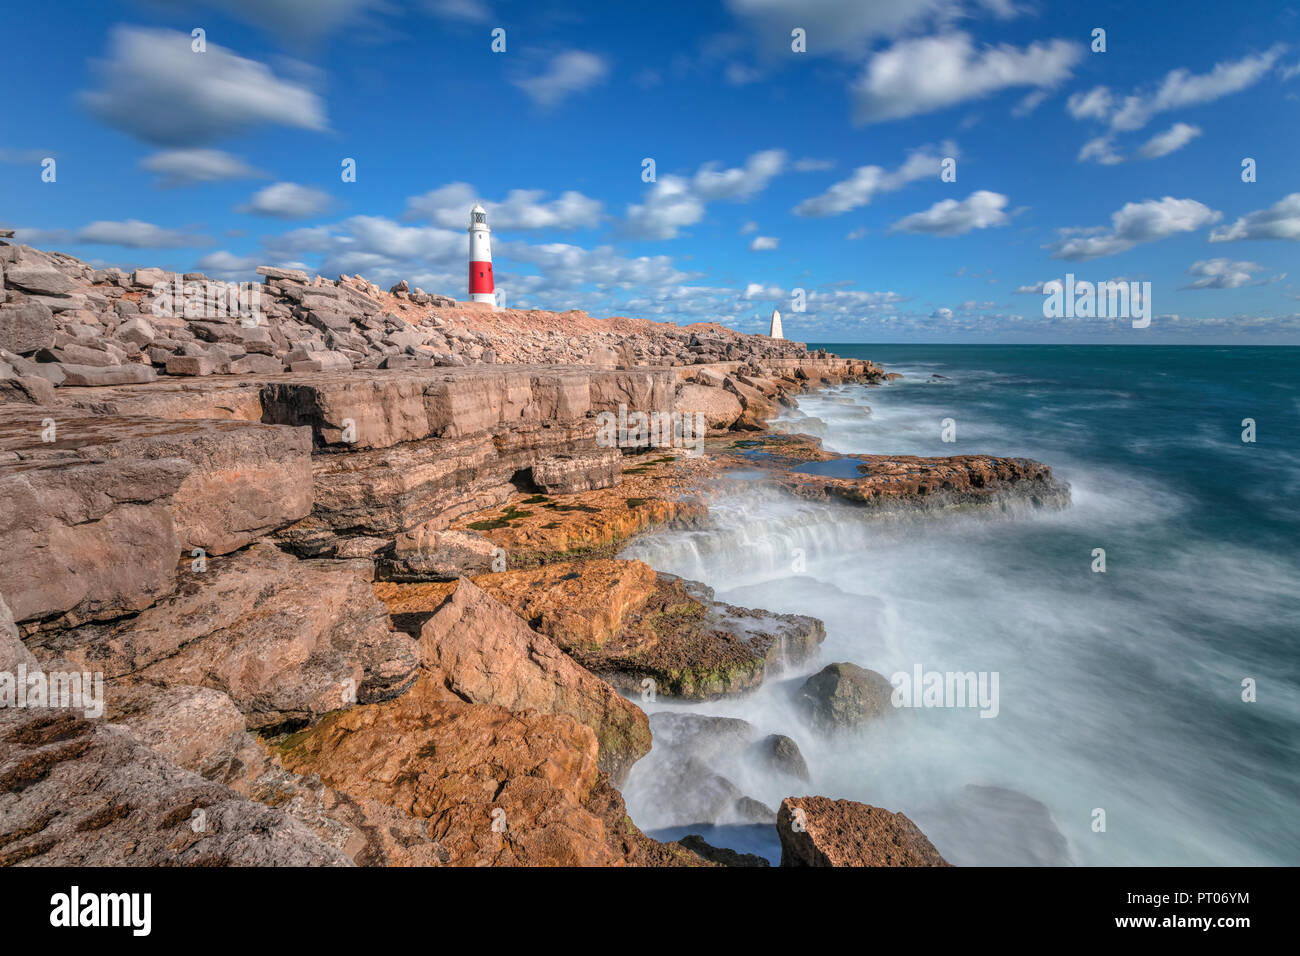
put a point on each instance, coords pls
(776, 325)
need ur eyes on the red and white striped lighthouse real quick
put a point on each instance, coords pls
(481, 288)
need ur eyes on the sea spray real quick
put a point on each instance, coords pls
(1117, 691)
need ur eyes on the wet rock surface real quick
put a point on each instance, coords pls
(844, 696)
(629, 624)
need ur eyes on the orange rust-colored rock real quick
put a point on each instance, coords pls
(497, 788)
(628, 624)
(818, 831)
(485, 654)
(583, 604)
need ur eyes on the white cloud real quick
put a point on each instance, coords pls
(811, 165)
(156, 89)
(1279, 221)
(1179, 88)
(676, 202)
(742, 182)
(1096, 104)
(466, 11)
(228, 266)
(1102, 150)
(1221, 273)
(287, 201)
(866, 181)
(670, 207)
(1135, 223)
(764, 243)
(952, 217)
(185, 167)
(1172, 139)
(521, 209)
(286, 18)
(837, 26)
(748, 227)
(1029, 103)
(931, 73)
(857, 233)
(568, 72)
(131, 233)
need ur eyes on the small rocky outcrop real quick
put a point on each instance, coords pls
(818, 831)
(630, 624)
(781, 754)
(844, 696)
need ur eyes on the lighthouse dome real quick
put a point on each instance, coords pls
(477, 216)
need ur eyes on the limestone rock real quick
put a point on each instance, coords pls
(287, 640)
(433, 555)
(26, 327)
(720, 407)
(78, 792)
(569, 474)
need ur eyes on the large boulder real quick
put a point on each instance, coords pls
(485, 654)
(26, 327)
(720, 407)
(245, 479)
(818, 831)
(87, 540)
(287, 640)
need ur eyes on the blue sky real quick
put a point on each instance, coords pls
(775, 170)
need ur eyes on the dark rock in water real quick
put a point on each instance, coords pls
(687, 791)
(700, 736)
(995, 826)
(721, 855)
(754, 811)
(818, 831)
(843, 696)
(779, 753)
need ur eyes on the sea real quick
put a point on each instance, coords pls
(1145, 639)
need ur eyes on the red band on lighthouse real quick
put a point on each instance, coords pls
(480, 277)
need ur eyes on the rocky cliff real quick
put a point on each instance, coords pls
(260, 537)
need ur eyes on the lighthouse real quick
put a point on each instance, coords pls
(480, 257)
(776, 321)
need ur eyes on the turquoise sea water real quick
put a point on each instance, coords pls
(1118, 691)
